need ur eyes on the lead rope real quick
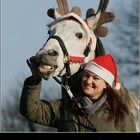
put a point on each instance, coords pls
(67, 88)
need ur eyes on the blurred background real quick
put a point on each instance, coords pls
(24, 31)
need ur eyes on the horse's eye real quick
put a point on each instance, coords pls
(79, 35)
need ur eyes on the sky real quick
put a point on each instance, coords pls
(24, 31)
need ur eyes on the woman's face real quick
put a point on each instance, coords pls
(92, 85)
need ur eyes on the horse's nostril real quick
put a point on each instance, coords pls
(38, 55)
(47, 57)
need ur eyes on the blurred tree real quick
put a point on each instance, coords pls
(124, 42)
(12, 120)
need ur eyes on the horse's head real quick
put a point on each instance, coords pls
(71, 42)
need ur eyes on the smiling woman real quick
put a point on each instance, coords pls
(89, 86)
(97, 107)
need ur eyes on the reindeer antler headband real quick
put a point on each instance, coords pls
(105, 17)
(63, 9)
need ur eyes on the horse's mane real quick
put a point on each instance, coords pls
(99, 51)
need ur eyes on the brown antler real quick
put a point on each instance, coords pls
(101, 31)
(62, 7)
(103, 5)
(105, 16)
(76, 10)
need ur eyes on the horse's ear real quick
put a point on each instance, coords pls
(101, 9)
(104, 17)
(99, 51)
(92, 21)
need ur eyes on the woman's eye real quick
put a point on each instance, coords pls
(86, 76)
(96, 78)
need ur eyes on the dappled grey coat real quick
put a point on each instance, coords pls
(62, 115)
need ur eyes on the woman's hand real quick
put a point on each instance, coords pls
(33, 65)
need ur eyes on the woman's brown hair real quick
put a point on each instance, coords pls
(117, 108)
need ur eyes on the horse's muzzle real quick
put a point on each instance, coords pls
(47, 64)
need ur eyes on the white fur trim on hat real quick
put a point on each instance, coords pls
(101, 72)
(117, 86)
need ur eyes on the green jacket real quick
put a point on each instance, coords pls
(60, 114)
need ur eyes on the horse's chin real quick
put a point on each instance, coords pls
(46, 71)
(46, 77)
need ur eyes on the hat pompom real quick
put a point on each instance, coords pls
(117, 86)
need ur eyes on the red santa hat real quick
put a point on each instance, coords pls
(105, 67)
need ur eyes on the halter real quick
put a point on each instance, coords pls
(68, 58)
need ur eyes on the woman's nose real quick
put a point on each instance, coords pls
(90, 80)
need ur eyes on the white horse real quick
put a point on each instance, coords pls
(73, 41)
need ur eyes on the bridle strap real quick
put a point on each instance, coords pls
(76, 59)
(65, 52)
(62, 45)
(67, 76)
